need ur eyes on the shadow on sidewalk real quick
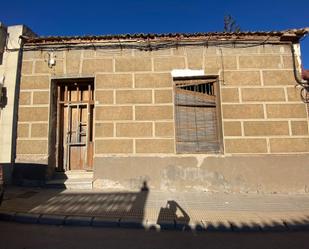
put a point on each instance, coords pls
(115, 205)
(173, 215)
(131, 206)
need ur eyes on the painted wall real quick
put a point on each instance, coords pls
(10, 77)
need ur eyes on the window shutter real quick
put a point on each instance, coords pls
(196, 117)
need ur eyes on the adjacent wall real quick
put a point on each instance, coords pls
(9, 78)
(262, 112)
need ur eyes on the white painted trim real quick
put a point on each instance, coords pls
(187, 72)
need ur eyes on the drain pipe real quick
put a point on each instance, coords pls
(304, 93)
(297, 78)
(305, 74)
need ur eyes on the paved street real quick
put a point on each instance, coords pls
(50, 237)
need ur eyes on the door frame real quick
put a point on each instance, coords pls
(55, 151)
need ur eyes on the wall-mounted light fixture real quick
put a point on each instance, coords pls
(51, 59)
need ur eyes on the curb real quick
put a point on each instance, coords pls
(105, 222)
(7, 216)
(78, 221)
(27, 218)
(49, 219)
(127, 222)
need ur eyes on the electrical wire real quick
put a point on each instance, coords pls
(145, 45)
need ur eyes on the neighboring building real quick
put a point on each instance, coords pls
(207, 111)
(10, 64)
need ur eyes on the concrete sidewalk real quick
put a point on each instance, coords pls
(157, 210)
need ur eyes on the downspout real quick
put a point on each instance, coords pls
(304, 92)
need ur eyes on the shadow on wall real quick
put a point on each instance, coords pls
(3, 96)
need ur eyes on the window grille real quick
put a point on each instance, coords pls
(196, 116)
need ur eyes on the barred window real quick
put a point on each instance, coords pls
(197, 115)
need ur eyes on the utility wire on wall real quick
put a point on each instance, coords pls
(147, 45)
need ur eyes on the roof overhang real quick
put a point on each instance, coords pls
(292, 35)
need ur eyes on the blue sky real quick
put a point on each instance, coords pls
(161, 16)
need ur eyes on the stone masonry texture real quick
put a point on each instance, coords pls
(261, 110)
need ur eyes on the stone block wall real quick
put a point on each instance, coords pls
(262, 112)
(135, 108)
(33, 117)
(261, 105)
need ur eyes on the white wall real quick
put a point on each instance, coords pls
(10, 76)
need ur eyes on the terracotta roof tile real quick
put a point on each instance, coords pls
(291, 34)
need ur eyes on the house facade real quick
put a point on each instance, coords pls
(181, 112)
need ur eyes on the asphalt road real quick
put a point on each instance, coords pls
(29, 236)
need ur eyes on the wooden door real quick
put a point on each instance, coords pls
(75, 101)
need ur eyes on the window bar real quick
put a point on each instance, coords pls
(66, 93)
(77, 93)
